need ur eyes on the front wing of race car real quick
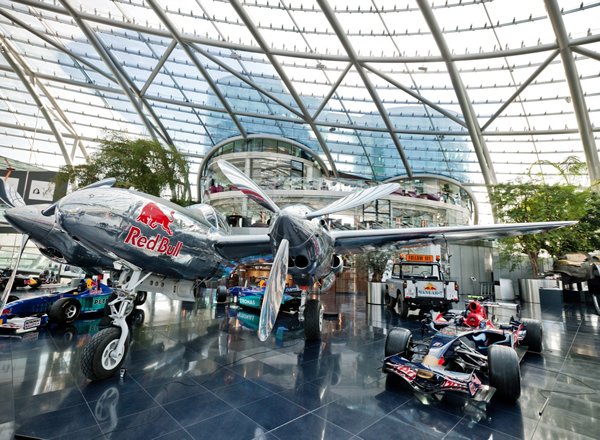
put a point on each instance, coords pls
(429, 379)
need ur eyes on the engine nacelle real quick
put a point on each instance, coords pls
(337, 264)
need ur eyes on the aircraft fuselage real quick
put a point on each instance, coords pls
(143, 230)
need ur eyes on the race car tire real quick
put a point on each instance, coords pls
(12, 298)
(402, 308)
(221, 294)
(398, 341)
(140, 298)
(96, 362)
(504, 372)
(534, 335)
(64, 311)
(313, 320)
(390, 301)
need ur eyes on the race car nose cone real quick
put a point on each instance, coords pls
(29, 220)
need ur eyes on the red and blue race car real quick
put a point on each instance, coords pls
(466, 348)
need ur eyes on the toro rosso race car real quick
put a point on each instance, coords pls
(465, 348)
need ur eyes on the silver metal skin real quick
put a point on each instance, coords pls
(274, 291)
(155, 234)
(52, 242)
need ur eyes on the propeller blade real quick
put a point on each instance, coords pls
(355, 199)
(274, 291)
(9, 196)
(247, 186)
(108, 182)
(11, 280)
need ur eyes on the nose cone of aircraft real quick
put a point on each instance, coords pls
(29, 220)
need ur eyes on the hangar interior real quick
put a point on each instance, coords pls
(313, 100)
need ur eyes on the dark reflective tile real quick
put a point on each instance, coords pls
(114, 404)
(310, 396)
(176, 435)
(144, 425)
(230, 425)
(309, 427)
(548, 432)
(389, 427)
(93, 390)
(197, 408)
(173, 391)
(272, 412)
(40, 385)
(353, 415)
(218, 378)
(91, 433)
(242, 393)
(56, 423)
(47, 402)
(469, 430)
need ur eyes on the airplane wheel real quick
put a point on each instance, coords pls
(96, 361)
(390, 301)
(398, 341)
(402, 308)
(64, 311)
(504, 372)
(534, 335)
(313, 320)
(140, 298)
(221, 294)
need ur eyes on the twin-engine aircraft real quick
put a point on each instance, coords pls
(148, 236)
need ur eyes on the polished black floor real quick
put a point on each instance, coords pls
(199, 371)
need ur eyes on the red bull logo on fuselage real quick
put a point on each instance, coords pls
(153, 216)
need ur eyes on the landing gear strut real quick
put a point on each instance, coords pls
(104, 354)
(311, 313)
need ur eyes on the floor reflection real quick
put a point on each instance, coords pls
(197, 370)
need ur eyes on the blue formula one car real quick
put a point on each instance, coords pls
(465, 348)
(57, 307)
(253, 297)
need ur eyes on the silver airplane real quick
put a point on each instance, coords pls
(151, 237)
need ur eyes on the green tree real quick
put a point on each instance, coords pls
(374, 262)
(142, 163)
(520, 202)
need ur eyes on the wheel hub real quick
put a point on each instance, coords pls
(70, 311)
(110, 357)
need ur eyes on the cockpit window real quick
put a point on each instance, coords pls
(211, 216)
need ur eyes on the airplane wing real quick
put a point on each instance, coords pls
(244, 249)
(366, 240)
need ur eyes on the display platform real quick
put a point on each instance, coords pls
(194, 370)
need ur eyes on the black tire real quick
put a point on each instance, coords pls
(403, 308)
(140, 298)
(221, 294)
(96, 363)
(399, 341)
(534, 335)
(64, 311)
(504, 372)
(390, 301)
(12, 298)
(313, 320)
(596, 301)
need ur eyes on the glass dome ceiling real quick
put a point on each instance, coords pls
(474, 90)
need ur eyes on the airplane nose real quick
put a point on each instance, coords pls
(29, 220)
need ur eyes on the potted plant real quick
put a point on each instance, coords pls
(374, 264)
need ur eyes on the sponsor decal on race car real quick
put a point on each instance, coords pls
(453, 385)
(31, 323)
(406, 372)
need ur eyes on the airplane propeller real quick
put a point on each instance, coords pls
(278, 275)
(9, 196)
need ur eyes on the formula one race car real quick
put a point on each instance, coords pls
(60, 307)
(465, 346)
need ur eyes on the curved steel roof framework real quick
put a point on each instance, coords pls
(474, 90)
